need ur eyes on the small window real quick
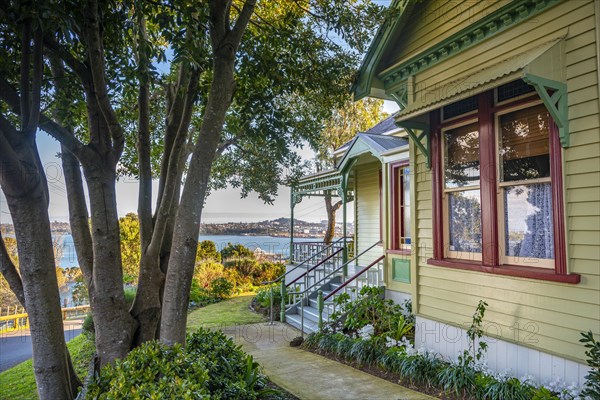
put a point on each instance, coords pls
(460, 107)
(513, 89)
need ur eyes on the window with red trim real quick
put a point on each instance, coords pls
(400, 193)
(497, 186)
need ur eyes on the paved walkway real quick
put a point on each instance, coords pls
(308, 375)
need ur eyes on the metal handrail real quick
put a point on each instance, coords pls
(303, 262)
(306, 290)
(338, 268)
(323, 261)
(282, 276)
(359, 273)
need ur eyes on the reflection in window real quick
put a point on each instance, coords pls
(462, 156)
(528, 221)
(524, 144)
(464, 210)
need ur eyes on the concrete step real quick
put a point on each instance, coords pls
(295, 321)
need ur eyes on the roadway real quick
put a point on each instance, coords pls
(15, 347)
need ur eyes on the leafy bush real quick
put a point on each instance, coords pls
(371, 308)
(210, 366)
(236, 251)
(592, 383)
(221, 288)
(263, 295)
(151, 369)
(207, 251)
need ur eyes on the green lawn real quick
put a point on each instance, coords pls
(230, 312)
(18, 383)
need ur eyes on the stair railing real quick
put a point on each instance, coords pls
(345, 287)
(281, 278)
(299, 298)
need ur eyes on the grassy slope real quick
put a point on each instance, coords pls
(234, 311)
(18, 383)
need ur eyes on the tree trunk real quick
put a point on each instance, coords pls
(331, 211)
(113, 323)
(187, 221)
(32, 231)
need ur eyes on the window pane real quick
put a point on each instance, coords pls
(528, 221)
(406, 208)
(524, 144)
(464, 209)
(462, 156)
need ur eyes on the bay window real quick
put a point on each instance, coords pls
(497, 186)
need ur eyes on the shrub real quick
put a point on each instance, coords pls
(206, 272)
(221, 288)
(210, 366)
(263, 295)
(592, 383)
(151, 369)
(370, 308)
(232, 373)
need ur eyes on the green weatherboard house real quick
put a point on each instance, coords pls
(486, 183)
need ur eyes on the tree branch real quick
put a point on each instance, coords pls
(241, 23)
(10, 273)
(71, 61)
(11, 97)
(33, 118)
(97, 67)
(24, 79)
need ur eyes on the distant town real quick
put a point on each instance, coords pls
(278, 227)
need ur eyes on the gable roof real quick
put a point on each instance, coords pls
(369, 143)
(363, 85)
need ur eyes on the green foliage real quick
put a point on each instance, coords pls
(236, 251)
(421, 369)
(151, 369)
(500, 389)
(263, 295)
(129, 229)
(221, 288)
(232, 373)
(207, 251)
(543, 393)
(210, 366)
(371, 308)
(592, 383)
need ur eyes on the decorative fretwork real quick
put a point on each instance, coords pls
(554, 96)
(490, 25)
(419, 134)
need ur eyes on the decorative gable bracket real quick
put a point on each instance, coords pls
(419, 133)
(554, 96)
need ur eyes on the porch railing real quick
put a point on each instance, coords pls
(299, 297)
(373, 277)
(324, 250)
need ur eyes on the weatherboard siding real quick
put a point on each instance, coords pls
(534, 314)
(438, 19)
(367, 211)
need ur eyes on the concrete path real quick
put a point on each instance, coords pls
(15, 346)
(308, 375)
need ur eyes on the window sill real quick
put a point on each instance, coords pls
(403, 252)
(508, 270)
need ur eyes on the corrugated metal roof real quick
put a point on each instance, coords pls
(387, 125)
(384, 143)
(469, 85)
